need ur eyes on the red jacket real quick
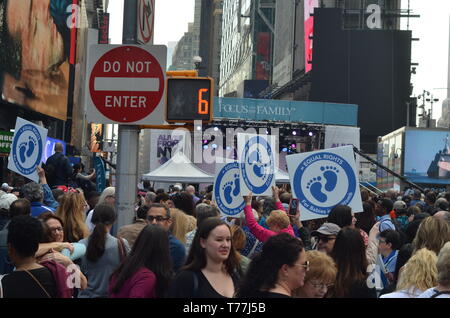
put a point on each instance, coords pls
(261, 233)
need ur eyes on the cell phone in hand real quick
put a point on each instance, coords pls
(293, 207)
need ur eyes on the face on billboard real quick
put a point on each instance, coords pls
(35, 43)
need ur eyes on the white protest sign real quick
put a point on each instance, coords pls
(323, 179)
(27, 149)
(257, 158)
(227, 193)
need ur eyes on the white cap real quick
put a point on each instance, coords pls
(6, 187)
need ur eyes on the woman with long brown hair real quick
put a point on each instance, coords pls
(350, 257)
(71, 211)
(212, 269)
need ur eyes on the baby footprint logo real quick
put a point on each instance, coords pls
(316, 186)
(231, 189)
(26, 149)
(259, 168)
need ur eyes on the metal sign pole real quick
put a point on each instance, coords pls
(128, 147)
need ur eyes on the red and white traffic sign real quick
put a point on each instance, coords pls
(145, 21)
(126, 84)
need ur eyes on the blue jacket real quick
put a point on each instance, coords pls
(177, 253)
(37, 208)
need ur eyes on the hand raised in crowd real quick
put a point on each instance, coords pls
(41, 174)
(295, 219)
(276, 193)
(375, 230)
(248, 199)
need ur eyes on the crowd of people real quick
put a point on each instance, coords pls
(61, 243)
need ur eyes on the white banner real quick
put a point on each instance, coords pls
(257, 157)
(339, 136)
(27, 149)
(227, 192)
(165, 144)
(323, 179)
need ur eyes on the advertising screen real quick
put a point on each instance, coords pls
(309, 31)
(427, 156)
(36, 37)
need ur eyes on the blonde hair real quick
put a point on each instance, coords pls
(420, 272)
(321, 268)
(278, 218)
(443, 265)
(71, 212)
(432, 234)
(181, 224)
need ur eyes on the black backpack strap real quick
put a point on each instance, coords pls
(439, 293)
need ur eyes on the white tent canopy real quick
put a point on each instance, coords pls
(179, 169)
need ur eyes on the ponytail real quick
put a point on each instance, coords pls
(103, 216)
(96, 245)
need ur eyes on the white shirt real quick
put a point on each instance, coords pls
(403, 294)
(430, 292)
(89, 223)
(189, 238)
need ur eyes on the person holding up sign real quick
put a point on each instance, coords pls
(278, 221)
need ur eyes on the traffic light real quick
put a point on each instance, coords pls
(189, 97)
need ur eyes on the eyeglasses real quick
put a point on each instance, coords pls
(56, 229)
(158, 218)
(325, 239)
(320, 285)
(382, 241)
(305, 265)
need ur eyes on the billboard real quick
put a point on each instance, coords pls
(427, 156)
(309, 32)
(369, 68)
(34, 57)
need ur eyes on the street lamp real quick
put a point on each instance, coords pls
(197, 61)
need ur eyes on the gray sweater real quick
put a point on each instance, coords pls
(98, 273)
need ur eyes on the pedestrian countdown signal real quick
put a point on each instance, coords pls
(189, 99)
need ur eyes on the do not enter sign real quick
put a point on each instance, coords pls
(126, 84)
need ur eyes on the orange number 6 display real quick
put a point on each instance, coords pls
(203, 105)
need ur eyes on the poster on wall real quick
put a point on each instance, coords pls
(35, 57)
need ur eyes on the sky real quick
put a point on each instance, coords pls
(431, 52)
(171, 20)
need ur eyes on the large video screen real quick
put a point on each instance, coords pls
(427, 156)
(35, 41)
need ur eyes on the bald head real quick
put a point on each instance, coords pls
(442, 215)
(59, 147)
